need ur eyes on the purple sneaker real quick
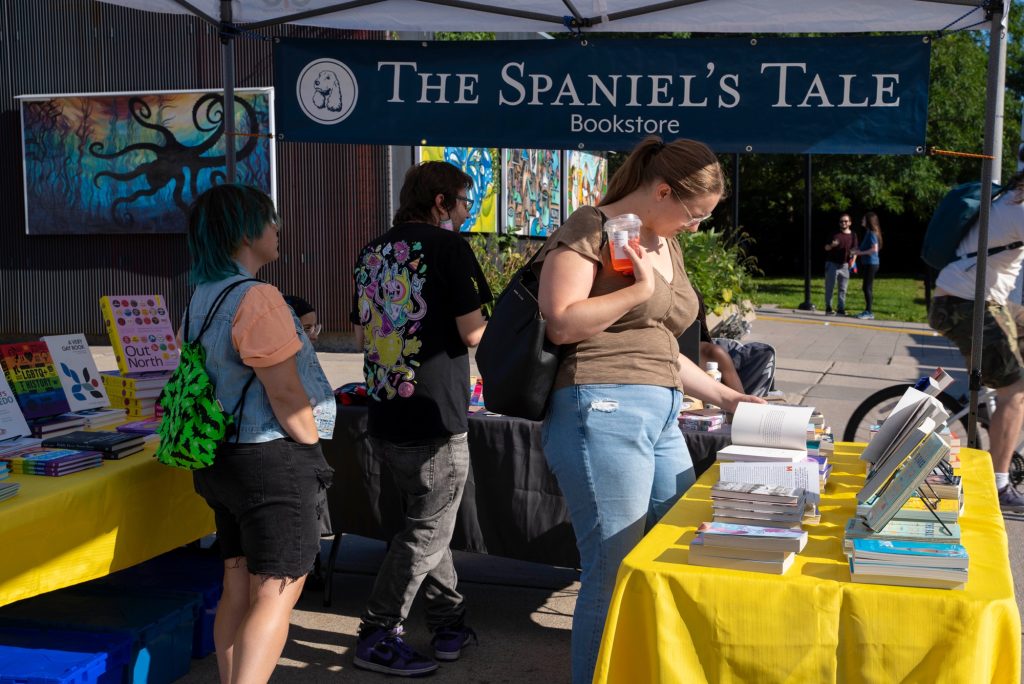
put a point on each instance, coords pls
(448, 642)
(382, 650)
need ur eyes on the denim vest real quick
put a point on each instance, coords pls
(230, 375)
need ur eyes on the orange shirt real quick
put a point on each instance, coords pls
(263, 331)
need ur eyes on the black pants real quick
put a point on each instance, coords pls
(869, 271)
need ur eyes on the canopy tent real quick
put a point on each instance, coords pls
(695, 16)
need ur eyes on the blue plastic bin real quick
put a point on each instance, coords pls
(42, 666)
(198, 571)
(160, 627)
(117, 646)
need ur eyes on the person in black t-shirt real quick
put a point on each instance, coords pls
(416, 309)
(837, 264)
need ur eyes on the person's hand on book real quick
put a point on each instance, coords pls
(729, 403)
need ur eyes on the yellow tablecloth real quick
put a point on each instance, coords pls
(674, 622)
(59, 531)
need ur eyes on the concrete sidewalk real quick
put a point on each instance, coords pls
(523, 611)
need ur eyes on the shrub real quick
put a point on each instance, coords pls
(719, 266)
(500, 256)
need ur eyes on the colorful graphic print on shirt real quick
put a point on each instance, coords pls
(389, 289)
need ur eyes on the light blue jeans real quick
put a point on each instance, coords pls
(621, 463)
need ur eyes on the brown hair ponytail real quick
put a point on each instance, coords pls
(689, 167)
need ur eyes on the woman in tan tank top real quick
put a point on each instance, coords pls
(611, 435)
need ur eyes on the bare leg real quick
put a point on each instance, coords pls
(234, 604)
(263, 632)
(1004, 428)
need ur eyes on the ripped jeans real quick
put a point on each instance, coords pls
(621, 462)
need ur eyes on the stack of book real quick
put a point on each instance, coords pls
(909, 563)
(8, 489)
(746, 547)
(136, 395)
(768, 432)
(111, 444)
(146, 427)
(51, 462)
(741, 503)
(906, 531)
(701, 420)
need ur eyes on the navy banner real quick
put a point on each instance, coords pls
(845, 95)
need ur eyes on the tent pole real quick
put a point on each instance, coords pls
(736, 192)
(989, 172)
(227, 52)
(807, 304)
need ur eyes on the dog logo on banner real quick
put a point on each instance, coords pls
(327, 91)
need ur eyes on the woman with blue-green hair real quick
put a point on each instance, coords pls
(266, 483)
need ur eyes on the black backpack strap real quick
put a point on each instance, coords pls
(216, 306)
(995, 250)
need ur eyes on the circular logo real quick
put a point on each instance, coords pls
(327, 91)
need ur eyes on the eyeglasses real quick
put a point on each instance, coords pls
(468, 201)
(694, 220)
(312, 328)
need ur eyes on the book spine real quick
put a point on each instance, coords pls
(110, 323)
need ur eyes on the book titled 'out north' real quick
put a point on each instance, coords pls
(141, 333)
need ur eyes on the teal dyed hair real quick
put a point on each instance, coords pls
(219, 220)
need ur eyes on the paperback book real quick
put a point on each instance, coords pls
(140, 332)
(77, 372)
(768, 432)
(753, 536)
(12, 421)
(111, 444)
(33, 378)
(736, 559)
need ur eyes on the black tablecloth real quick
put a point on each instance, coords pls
(512, 505)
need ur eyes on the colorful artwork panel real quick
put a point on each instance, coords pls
(586, 179)
(533, 191)
(134, 162)
(482, 165)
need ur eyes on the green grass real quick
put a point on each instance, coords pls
(897, 298)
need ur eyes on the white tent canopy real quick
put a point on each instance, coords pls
(694, 16)
(702, 16)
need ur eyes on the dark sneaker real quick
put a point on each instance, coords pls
(1010, 500)
(841, 312)
(382, 650)
(830, 312)
(448, 642)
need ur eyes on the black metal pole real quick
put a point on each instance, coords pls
(227, 52)
(736, 191)
(807, 305)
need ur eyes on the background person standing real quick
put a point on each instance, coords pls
(868, 254)
(416, 309)
(837, 265)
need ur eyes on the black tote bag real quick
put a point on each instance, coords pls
(516, 360)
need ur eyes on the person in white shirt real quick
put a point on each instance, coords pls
(952, 314)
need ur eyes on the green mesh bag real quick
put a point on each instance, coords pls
(194, 422)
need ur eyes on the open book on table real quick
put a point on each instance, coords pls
(909, 414)
(768, 432)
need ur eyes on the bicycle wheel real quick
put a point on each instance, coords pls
(874, 410)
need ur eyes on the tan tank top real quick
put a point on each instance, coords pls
(641, 347)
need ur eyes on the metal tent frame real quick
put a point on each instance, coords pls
(718, 16)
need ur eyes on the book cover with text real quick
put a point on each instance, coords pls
(12, 422)
(77, 371)
(33, 377)
(140, 330)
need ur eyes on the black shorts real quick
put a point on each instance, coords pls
(267, 499)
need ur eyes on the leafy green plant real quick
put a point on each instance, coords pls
(500, 256)
(719, 266)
